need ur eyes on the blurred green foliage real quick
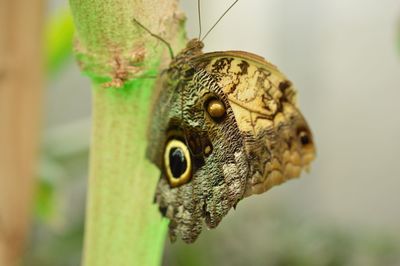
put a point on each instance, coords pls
(44, 205)
(58, 40)
(57, 235)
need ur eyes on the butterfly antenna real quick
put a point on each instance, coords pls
(215, 24)
(199, 14)
(171, 52)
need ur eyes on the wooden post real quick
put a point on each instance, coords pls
(21, 91)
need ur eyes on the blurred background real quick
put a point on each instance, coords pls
(344, 58)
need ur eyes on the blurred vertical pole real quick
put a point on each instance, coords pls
(20, 101)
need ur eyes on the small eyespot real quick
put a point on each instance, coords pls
(177, 163)
(207, 150)
(215, 108)
(304, 138)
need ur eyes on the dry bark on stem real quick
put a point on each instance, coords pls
(20, 100)
(123, 226)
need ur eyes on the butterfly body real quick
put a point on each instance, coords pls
(225, 126)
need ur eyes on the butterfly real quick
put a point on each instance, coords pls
(225, 125)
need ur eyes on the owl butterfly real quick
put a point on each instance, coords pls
(225, 125)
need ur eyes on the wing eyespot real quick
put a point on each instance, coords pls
(215, 108)
(177, 163)
(304, 137)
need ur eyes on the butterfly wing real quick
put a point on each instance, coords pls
(278, 140)
(218, 161)
(261, 141)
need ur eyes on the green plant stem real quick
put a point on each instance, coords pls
(123, 226)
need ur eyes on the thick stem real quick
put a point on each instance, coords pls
(123, 226)
(21, 91)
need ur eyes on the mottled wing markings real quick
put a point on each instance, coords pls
(263, 101)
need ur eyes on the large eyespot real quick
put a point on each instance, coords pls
(177, 163)
(215, 108)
